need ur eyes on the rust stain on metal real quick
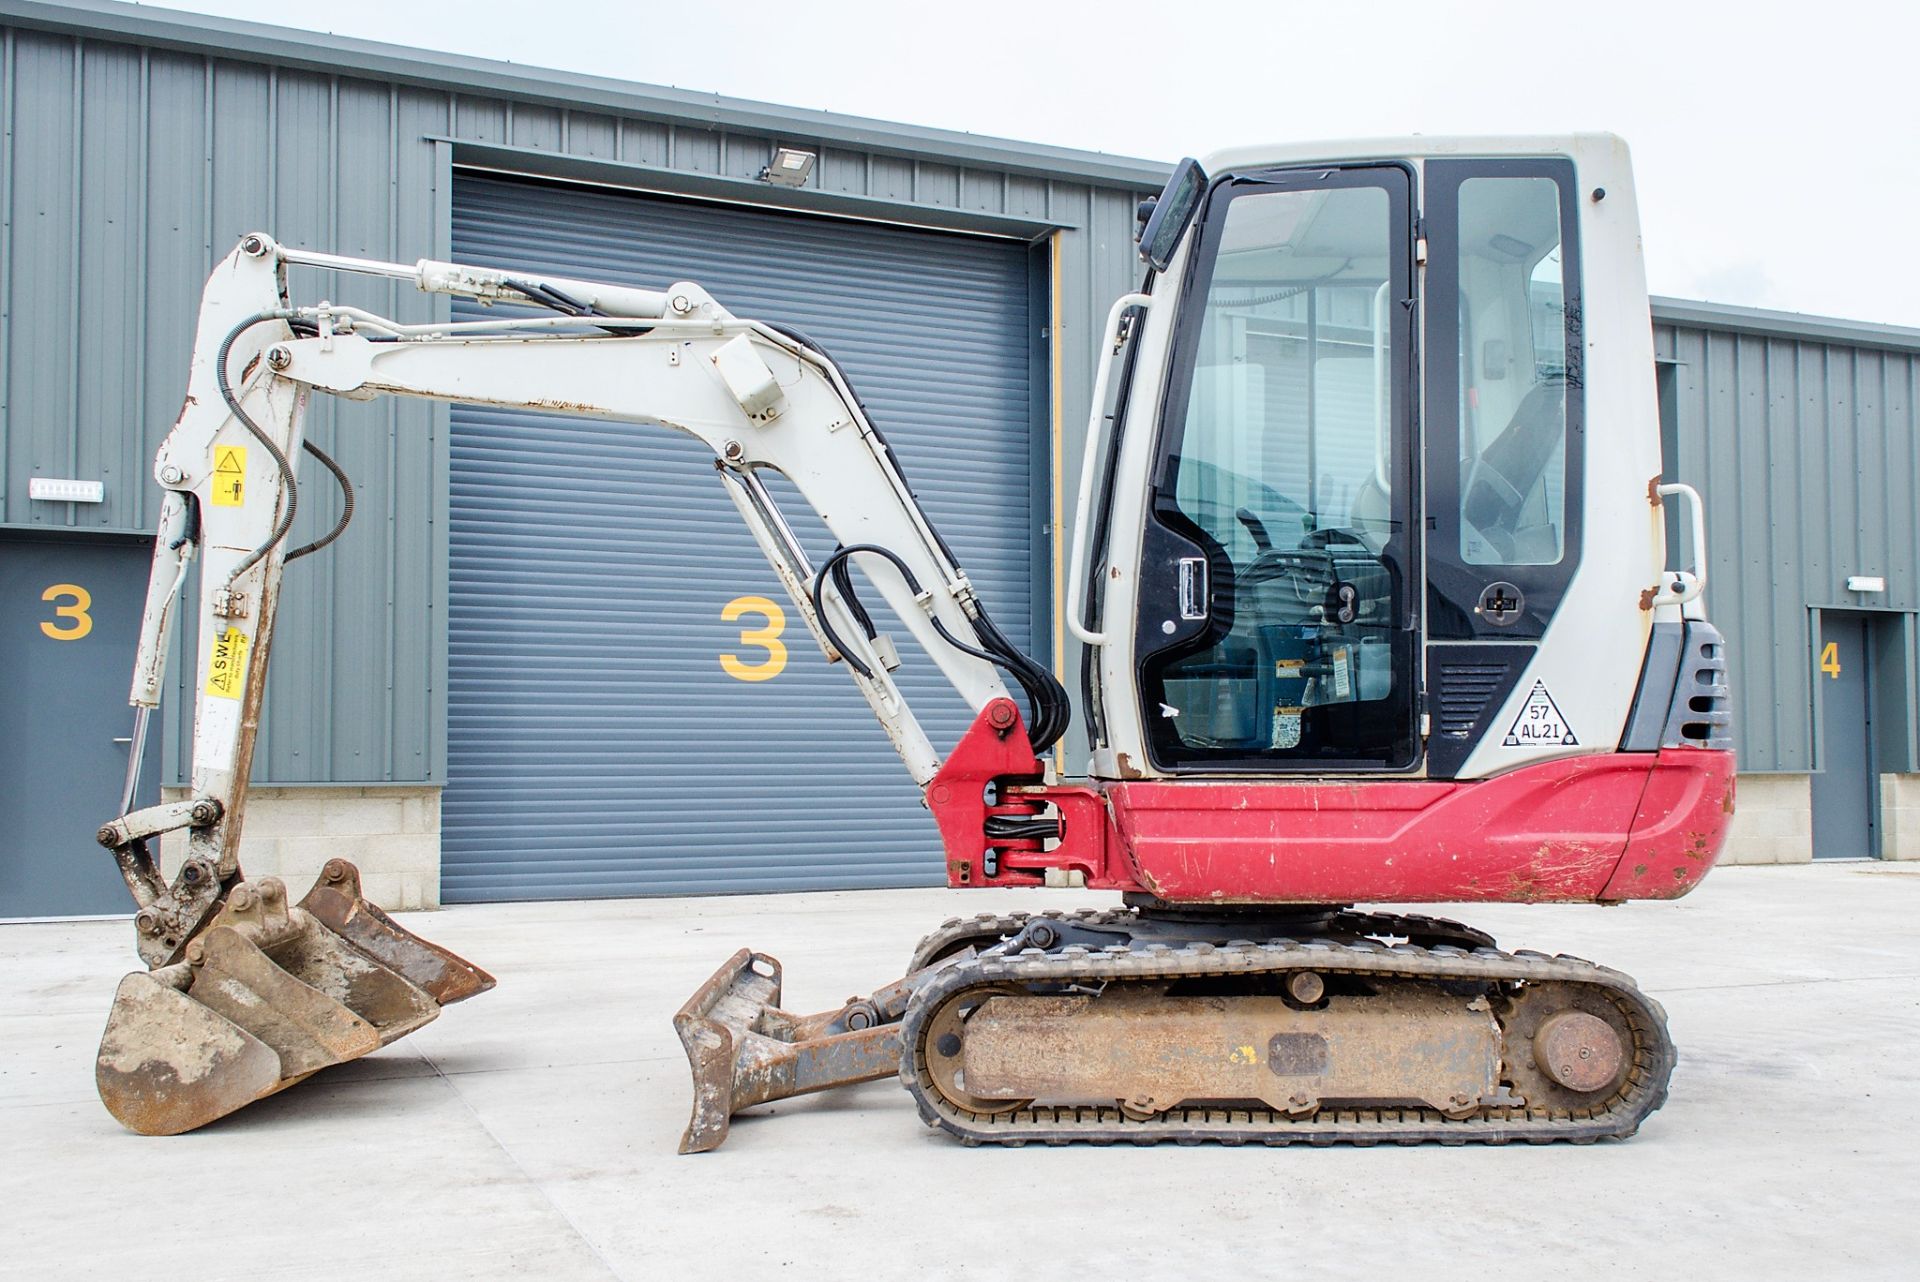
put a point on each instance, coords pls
(1149, 1051)
(336, 902)
(561, 406)
(1128, 770)
(1579, 1051)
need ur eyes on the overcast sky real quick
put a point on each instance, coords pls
(1777, 145)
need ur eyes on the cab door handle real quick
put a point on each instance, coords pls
(1193, 587)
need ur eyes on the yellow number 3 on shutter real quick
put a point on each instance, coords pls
(767, 637)
(76, 610)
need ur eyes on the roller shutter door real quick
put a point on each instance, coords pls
(596, 744)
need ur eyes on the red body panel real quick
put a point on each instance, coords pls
(1583, 829)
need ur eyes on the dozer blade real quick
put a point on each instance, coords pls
(744, 1050)
(268, 996)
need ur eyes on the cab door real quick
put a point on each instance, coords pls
(1505, 435)
(1279, 579)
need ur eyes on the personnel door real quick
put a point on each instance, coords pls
(1846, 798)
(69, 620)
(1275, 629)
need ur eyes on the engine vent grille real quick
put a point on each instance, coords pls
(1467, 685)
(1464, 690)
(1701, 715)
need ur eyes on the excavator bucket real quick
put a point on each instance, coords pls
(267, 996)
(745, 1050)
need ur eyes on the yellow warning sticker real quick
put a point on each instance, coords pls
(229, 475)
(227, 673)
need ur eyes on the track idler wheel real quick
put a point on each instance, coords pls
(1565, 1046)
(268, 995)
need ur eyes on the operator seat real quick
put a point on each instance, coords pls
(1508, 473)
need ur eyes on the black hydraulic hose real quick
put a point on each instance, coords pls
(346, 502)
(285, 522)
(549, 297)
(954, 641)
(567, 305)
(1051, 709)
(1048, 711)
(843, 582)
(819, 601)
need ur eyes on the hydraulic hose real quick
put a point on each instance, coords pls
(1047, 708)
(346, 502)
(285, 522)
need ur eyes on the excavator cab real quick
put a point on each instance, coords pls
(1355, 441)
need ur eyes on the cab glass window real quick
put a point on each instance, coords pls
(1505, 438)
(1513, 377)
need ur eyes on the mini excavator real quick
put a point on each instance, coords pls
(1370, 569)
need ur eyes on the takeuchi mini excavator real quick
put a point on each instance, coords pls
(1370, 569)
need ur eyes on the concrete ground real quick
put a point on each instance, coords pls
(531, 1132)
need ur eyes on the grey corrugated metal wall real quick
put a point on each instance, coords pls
(1808, 453)
(140, 144)
(595, 746)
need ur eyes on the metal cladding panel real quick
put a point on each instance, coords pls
(1808, 454)
(596, 746)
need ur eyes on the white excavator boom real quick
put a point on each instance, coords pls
(762, 399)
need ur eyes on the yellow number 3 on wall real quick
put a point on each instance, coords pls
(767, 637)
(75, 610)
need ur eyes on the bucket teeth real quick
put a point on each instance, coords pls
(268, 996)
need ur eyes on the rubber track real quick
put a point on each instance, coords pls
(1643, 1089)
(999, 926)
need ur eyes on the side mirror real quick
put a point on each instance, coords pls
(1171, 212)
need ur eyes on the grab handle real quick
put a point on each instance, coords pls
(1083, 505)
(1677, 587)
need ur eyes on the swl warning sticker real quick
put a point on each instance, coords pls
(229, 475)
(227, 673)
(1539, 723)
